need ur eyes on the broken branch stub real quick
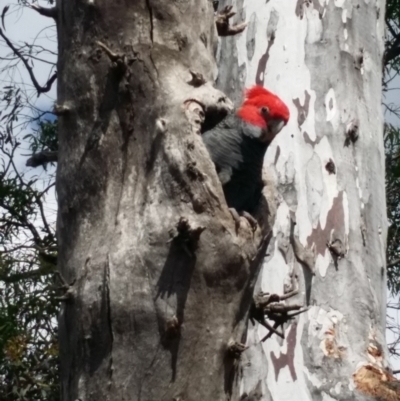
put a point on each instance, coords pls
(224, 28)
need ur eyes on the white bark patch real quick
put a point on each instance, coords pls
(368, 64)
(250, 35)
(314, 26)
(359, 192)
(337, 388)
(340, 3)
(344, 16)
(345, 204)
(314, 379)
(315, 189)
(323, 262)
(276, 267)
(324, 151)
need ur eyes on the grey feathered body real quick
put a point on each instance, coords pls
(238, 157)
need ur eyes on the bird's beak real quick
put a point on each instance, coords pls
(273, 129)
(277, 127)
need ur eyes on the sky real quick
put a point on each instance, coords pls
(28, 26)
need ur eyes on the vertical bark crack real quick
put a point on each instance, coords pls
(151, 19)
(109, 317)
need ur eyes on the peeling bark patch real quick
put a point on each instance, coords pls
(375, 352)
(330, 345)
(302, 110)
(251, 36)
(288, 358)
(272, 25)
(286, 184)
(377, 383)
(334, 221)
(319, 8)
(262, 64)
(308, 140)
(277, 154)
(299, 11)
(315, 188)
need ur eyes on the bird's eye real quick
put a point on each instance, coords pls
(265, 110)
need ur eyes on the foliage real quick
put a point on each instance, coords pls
(392, 149)
(28, 308)
(44, 137)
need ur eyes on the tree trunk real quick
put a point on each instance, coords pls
(160, 281)
(325, 60)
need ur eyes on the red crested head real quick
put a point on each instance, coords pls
(261, 97)
(262, 109)
(252, 115)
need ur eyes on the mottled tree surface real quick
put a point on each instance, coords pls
(325, 60)
(161, 282)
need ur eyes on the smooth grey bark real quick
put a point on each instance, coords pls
(324, 58)
(160, 282)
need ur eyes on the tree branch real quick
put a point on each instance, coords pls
(14, 278)
(393, 51)
(222, 22)
(390, 28)
(46, 12)
(40, 89)
(393, 263)
(40, 158)
(43, 215)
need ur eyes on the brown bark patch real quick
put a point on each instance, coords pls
(377, 383)
(302, 110)
(277, 154)
(308, 140)
(288, 358)
(334, 221)
(300, 9)
(330, 345)
(262, 64)
(306, 3)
